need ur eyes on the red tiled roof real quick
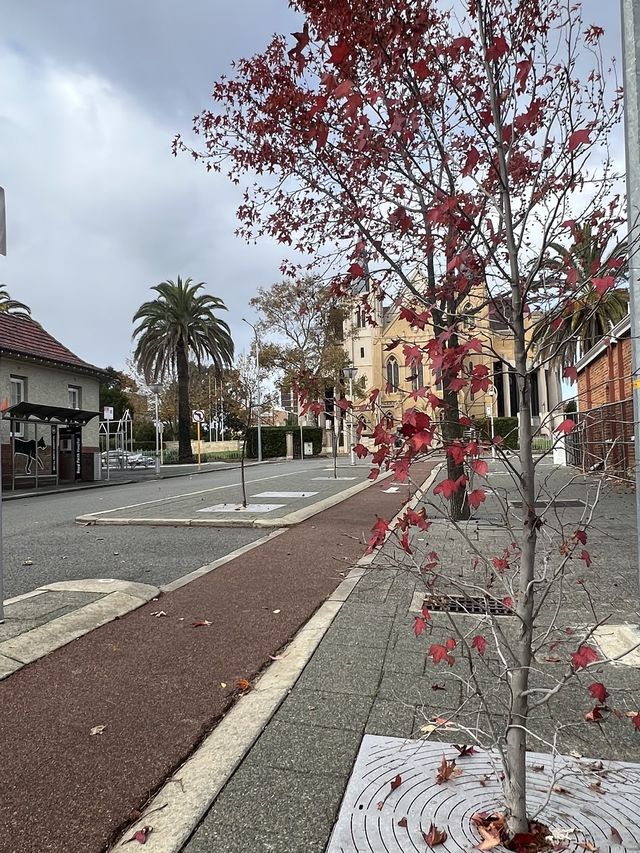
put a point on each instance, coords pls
(22, 336)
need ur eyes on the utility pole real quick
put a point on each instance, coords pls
(630, 11)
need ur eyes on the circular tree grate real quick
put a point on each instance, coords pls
(573, 810)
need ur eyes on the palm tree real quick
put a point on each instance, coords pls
(569, 331)
(179, 324)
(12, 306)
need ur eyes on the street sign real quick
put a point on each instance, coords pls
(198, 416)
(108, 413)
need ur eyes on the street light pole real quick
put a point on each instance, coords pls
(156, 388)
(259, 400)
(351, 373)
(630, 12)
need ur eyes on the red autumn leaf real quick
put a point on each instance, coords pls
(586, 556)
(435, 836)
(243, 684)
(480, 467)
(599, 692)
(403, 822)
(360, 450)
(447, 488)
(201, 623)
(522, 72)
(601, 285)
(419, 626)
(635, 719)
(343, 89)
(584, 656)
(566, 426)
(378, 534)
(579, 137)
(450, 644)
(472, 161)
(615, 835)
(440, 653)
(508, 602)
(580, 536)
(465, 751)
(476, 497)
(593, 715)
(421, 69)
(339, 52)
(498, 48)
(490, 839)
(356, 270)
(141, 835)
(395, 783)
(480, 644)
(571, 374)
(373, 474)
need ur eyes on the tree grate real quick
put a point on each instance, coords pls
(560, 503)
(468, 604)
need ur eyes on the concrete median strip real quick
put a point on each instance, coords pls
(120, 597)
(182, 802)
(290, 520)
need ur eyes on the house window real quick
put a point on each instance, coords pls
(75, 397)
(361, 317)
(393, 374)
(17, 394)
(361, 352)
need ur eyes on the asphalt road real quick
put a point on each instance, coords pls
(42, 529)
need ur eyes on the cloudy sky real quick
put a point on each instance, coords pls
(91, 95)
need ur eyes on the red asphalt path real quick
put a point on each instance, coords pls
(155, 683)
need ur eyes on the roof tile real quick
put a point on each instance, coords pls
(22, 336)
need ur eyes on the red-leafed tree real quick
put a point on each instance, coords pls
(439, 156)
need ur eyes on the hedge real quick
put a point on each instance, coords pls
(274, 441)
(506, 427)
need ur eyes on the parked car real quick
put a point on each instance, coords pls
(127, 459)
(140, 460)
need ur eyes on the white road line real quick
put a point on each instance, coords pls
(200, 492)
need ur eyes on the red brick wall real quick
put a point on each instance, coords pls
(606, 441)
(607, 379)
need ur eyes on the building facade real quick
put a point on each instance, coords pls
(49, 399)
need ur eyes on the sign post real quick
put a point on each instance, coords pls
(108, 416)
(198, 418)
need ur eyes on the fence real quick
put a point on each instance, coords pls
(603, 439)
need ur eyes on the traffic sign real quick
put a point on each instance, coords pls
(108, 413)
(198, 416)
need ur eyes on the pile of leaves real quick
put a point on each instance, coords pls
(492, 827)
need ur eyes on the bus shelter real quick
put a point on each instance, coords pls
(43, 446)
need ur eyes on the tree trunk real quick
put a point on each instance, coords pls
(515, 769)
(452, 430)
(185, 453)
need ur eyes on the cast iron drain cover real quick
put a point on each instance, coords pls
(560, 504)
(579, 815)
(466, 604)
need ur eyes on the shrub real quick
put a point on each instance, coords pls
(274, 441)
(506, 427)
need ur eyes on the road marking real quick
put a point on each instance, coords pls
(200, 492)
(284, 494)
(333, 478)
(391, 489)
(240, 508)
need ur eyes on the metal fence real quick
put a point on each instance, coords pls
(603, 439)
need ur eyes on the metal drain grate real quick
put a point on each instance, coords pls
(466, 604)
(397, 826)
(560, 503)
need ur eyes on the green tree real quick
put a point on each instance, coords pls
(302, 323)
(179, 324)
(113, 392)
(12, 306)
(569, 331)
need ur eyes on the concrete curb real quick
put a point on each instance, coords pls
(290, 520)
(179, 806)
(121, 597)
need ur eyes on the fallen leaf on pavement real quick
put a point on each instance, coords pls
(615, 835)
(434, 836)
(589, 846)
(403, 822)
(464, 750)
(201, 623)
(141, 835)
(97, 730)
(438, 687)
(279, 657)
(489, 839)
(537, 768)
(395, 783)
(243, 684)
(447, 770)
(27, 563)
(558, 789)
(159, 613)
(223, 684)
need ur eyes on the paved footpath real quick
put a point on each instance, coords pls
(152, 684)
(370, 675)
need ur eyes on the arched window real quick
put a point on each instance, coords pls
(417, 377)
(393, 374)
(361, 317)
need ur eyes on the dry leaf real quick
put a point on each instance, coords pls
(484, 780)
(97, 730)
(201, 623)
(434, 836)
(403, 822)
(558, 789)
(447, 771)
(615, 835)
(589, 846)
(243, 684)
(159, 613)
(490, 839)
(597, 788)
(464, 750)
(537, 768)
(141, 835)
(279, 657)
(395, 783)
